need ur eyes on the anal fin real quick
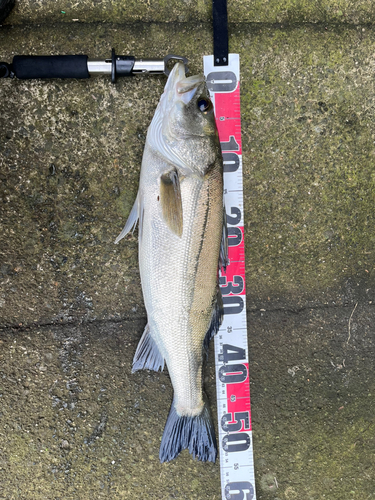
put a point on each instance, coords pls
(147, 355)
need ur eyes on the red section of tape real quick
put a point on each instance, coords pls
(229, 126)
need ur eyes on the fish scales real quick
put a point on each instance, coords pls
(180, 207)
(179, 277)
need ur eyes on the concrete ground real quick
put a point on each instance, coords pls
(75, 423)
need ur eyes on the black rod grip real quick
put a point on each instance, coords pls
(27, 67)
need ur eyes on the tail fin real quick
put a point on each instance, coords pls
(195, 433)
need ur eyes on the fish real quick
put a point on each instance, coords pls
(182, 245)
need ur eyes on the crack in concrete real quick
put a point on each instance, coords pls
(128, 319)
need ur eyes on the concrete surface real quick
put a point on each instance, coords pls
(74, 422)
(243, 11)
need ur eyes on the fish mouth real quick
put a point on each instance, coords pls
(181, 86)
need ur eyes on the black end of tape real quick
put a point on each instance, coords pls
(220, 23)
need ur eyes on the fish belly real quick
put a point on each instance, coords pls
(179, 278)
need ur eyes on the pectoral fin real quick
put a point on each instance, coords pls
(132, 220)
(170, 199)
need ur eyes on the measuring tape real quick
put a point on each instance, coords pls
(231, 349)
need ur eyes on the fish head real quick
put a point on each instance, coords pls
(183, 129)
(187, 107)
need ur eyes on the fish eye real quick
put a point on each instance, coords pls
(204, 104)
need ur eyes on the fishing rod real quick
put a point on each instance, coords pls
(80, 66)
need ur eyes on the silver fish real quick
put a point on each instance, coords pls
(182, 243)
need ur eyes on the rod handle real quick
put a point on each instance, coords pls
(27, 67)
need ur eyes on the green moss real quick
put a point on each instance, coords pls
(308, 148)
(74, 152)
(259, 11)
(19, 449)
(313, 426)
(318, 462)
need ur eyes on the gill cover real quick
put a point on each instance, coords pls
(179, 120)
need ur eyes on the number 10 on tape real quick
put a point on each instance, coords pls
(231, 349)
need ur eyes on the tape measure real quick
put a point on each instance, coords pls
(231, 348)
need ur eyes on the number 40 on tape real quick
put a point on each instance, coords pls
(231, 348)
